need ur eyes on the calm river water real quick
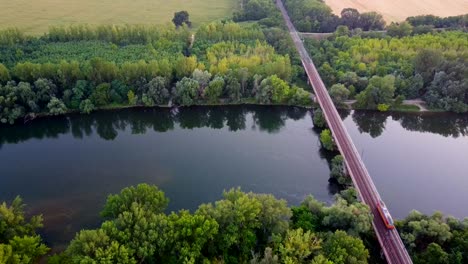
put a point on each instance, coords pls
(65, 167)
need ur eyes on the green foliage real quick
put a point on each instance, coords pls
(237, 216)
(413, 61)
(327, 140)
(272, 90)
(56, 107)
(457, 22)
(132, 99)
(418, 230)
(304, 219)
(189, 236)
(379, 91)
(400, 30)
(383, 107)
(319, 118)
(86, 106)
(143, 231)
(298, 246)
(26, 250)
(341, 248)
(149, 198)
(186, 91)
(4, 74)
(299, 96)
(214, 90)
(355, 218)
(338, 171)
(339, 93)
(316, 16)
(19, 243)
(137, 65)
(95, 246)
(156, 92)
(181, 18)
(434, 254)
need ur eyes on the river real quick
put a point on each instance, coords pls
(64, 167)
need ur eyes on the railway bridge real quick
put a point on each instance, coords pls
(389, 239)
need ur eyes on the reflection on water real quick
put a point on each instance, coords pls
(65, 167)
(445, 124)
(108, 124)
(417, 160)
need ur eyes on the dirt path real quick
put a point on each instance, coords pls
(417, 102)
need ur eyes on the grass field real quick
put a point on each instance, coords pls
(399, 10)
(35, 16)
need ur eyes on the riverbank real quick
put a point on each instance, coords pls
(112, 107)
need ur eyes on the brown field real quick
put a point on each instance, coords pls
(399, 10)
(35, 16)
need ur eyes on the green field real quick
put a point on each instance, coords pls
(35, 16)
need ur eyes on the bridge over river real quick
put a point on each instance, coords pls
(389, 239)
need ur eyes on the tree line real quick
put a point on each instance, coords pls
(316, 16)
(381, 72)
(264, 12)
(452, 22)
(241, 68)
(240, 228)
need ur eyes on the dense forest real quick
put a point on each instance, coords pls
(240, 228)
(381, 72)
(82, 68)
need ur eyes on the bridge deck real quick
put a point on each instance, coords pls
(390, 241)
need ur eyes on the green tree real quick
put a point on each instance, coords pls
(339, 93)
(418, 231)
(214, 90)
(238, 218)
(340, 248)
(86, 106)
(338, 171)
(298, 246)
(18, 240)
(355, 218)
(145, 233)
(25, 250)
(189, 236)
(399, 29)
(426, 62)
(434, 254)
(186, 91)
(157, 91)
(4, 74)
(379, 91)
(95, 246)
(233, 87)
(371, 21)
(303, 218)
(319, 118)
(132, 98)
(272, 90)
(101, 95)
(56, 107)
(327, 140)
(45, 90)
(149, 197)
(202, 77)
(181, 18)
